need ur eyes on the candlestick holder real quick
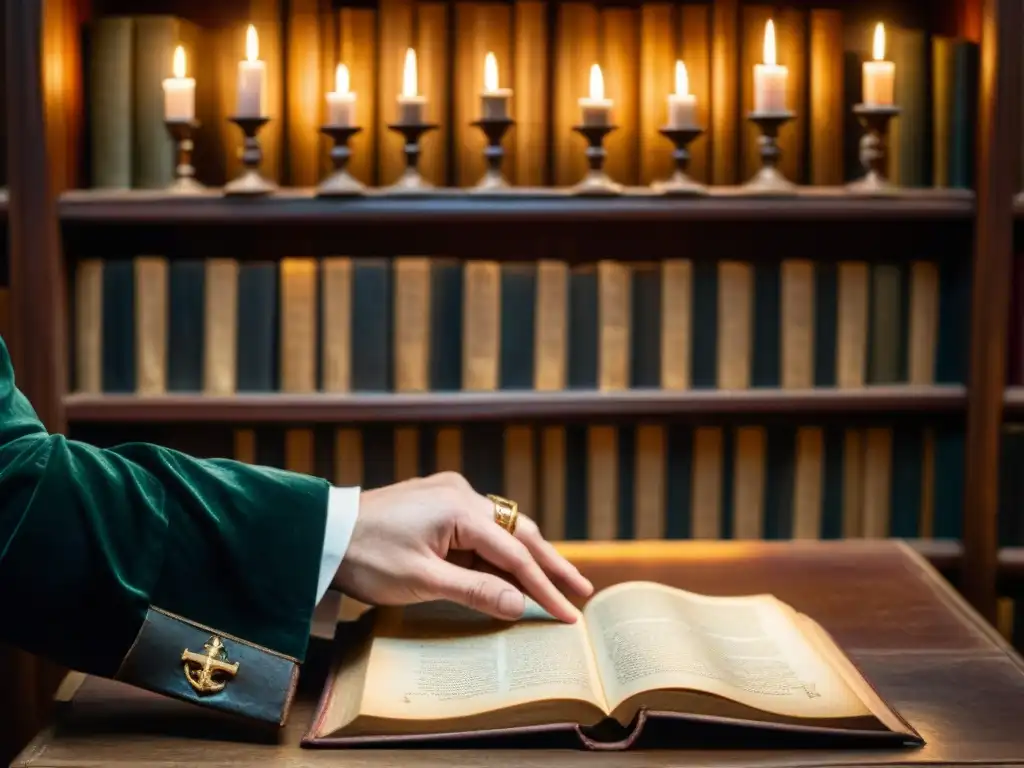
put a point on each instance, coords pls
(250, 181)
(769, 180)
(494, 129)
(680, 183)
(597, 181)
(340, 183)
(411, 181)
(874, 150)
(181, 132)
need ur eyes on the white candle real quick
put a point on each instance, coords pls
(252, 78)
(682, 105)
(341, 102)
(596, 109)
(770, 78)
(410, 104)
(878, 76)
(493, 100)
(179, 91)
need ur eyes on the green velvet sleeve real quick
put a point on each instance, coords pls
(91, 539)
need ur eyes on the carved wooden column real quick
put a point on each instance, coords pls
(37, 287)
(996, 154)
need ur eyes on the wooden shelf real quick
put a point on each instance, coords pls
(506, 405)
(295, 206)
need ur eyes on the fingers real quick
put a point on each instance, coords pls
(550, 560)
(480, 591)
(509, 554)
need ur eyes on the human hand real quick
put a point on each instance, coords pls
(415, 541)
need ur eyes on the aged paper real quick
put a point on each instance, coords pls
(646, 636)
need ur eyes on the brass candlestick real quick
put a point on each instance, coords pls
(411, 181)
(874, 150)
(184, 173)
(680, 182)
(596, 182)
(250, 181)
(769, 180)
(494, 129)
(340, 183)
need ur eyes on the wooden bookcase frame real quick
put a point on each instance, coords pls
(39, 306)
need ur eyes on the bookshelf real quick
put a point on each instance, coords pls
(951, 237)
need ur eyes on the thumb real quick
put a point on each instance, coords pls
(482, 592)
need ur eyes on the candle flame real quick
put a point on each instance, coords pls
(341, 79)
(252, 44)
(409, 85)
(596, 82)
(769, 43)
(490, 72)
(179, 62)
(682, 80)
(878, 49)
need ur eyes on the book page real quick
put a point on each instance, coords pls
(647, 636)
(439, 661)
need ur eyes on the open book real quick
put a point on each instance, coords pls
(641, 651)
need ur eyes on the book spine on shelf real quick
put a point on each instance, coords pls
(258, 316)
(372, 357)
(186, 322)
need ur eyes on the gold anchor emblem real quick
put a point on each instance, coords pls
(206, 672)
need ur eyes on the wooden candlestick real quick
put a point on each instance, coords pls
(597, 181)
(411, 181)
(680, 183)
(494, 129)
(340, 183)
(769, 180)
(250, 182)
(874, 150)
(184, 173)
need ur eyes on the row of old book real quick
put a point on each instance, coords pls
(126, 59)
(646, 481)
(218, 326)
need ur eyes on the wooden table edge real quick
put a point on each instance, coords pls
(959, 604)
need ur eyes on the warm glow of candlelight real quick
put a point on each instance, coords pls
(179, 62)
(341, 84)
(682, 80)
(409, 85)
(252, 44)
(596, 83)
(878, 48)
(769, 43)
(490, 73)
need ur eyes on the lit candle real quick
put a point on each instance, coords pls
(596, 109)
(410, 103)
(682, 105)
(493, 100)
(179, 91)
(879, 75)
(769, 78)
(252, 77)
(341, 103)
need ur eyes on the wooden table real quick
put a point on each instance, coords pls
(929, 654)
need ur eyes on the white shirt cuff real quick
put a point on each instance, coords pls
(342, 510)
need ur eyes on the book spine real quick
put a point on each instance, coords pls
(110, 101)
(258, 312)
(118, 315)
(372, 355)
(186, 323)
(517, 323)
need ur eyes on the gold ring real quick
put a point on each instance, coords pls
(506, 512)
